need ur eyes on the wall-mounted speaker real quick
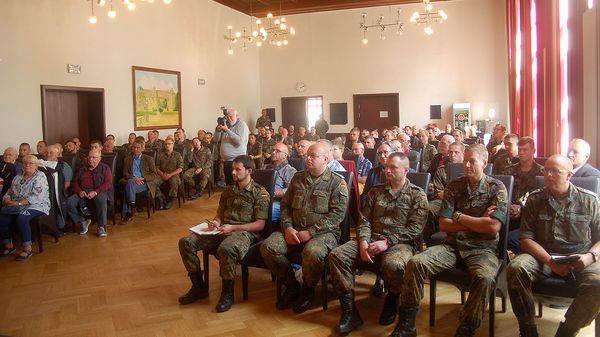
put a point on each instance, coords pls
(338, 113)
(435, 112)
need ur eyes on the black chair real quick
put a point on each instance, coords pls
(266, 178)
(371, 154)
(298, 163)
(456, 170)
(420, 179)
(559, 287)
(414, 165)
(353, 157)
(110, 159)
(49, 221)
(181, 190)
(70, 158)
(151, 153)
(344, 237)
(459, 277)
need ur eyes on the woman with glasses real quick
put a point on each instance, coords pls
(27, 198)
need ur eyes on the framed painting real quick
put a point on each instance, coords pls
(156, 98)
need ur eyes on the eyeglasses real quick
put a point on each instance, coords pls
(277, 151)
(555, 171)
(28, 163)
(95, 157)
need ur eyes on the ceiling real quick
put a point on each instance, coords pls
(260, 8)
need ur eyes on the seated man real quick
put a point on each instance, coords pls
(139, 174)
(198, 174)
(284, 172)
(510, 157)
(579, 153)
(405, 142)
(333, 164)
(391, 226)
(243, 209)
(560, 219)
(70, 147)
(130, 140)
(494, 145)
(24, 150)
(8, 169)
(364, 164)
(41, 148)
(311, 211)
(94, 185)
(473, 211)
(168, 166)
(300, 149)
(109, 144)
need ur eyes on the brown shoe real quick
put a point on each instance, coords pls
(127, 219)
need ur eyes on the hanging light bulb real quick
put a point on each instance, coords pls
(269, 16)
(230, 51)
(92, 19)
(131, 5)
(278, 43)
(428, 30)
(167, 2)
(259, 43)
(150, 1)
(101, 3)
(285, 42)
(112, 13)
(365, 40)
(282, 26)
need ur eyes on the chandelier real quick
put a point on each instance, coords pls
(381, 26)
(112, 13)
(427, 17)
(274, 31)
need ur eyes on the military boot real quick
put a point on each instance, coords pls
(303, 301)
(563, 331)
(406, 323)
(390, 309)
(198, 193)
(290, 294)
(350, 318)
(226, 299)
(465, 330)
(198, 290)
(527, 330)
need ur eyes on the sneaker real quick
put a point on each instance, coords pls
(102, 232)
(85, 225)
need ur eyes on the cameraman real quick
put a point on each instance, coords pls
(233, 136)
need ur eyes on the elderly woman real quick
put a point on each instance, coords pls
(26, 199)
(428, 151)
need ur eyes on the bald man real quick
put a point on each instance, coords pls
(559, 219)
(8, 169)
(579, 154)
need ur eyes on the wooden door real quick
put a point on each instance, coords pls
(69, 112)
(293, 112)
(376, 111)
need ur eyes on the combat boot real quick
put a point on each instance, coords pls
(350, 318)
(303, 301)
(527, 330)
(290, 294)
(465, 330)
(563, 331)
(198, 193)
(198, 290)
(226, 299)
(390, 309)
(406, 323)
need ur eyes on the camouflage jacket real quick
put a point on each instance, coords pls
(524, 181)
(169, 163)
(569, 229)
(503, 163)
(241, 206)
(398, 216)
(202, 158)
(427, 153)
(317, 204)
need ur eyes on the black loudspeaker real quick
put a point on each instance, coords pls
(435, 112)
(271, 114)
(338, 113)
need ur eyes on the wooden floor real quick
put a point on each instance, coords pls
(128, 283)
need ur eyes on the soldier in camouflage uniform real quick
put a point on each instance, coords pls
(321, 126)
(267, 146)
(201, 168)
(509, 157)
(524, 171)
(311, 211)
(168, 166)
(428, 151)
(254, 150)
(243, 210)
(264, 120)
(473, 211)
(388, 233)
(494, 146)
(559, 219)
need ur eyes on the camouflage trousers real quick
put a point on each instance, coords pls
(173, 183)
(525, 269)
(229, 250)
(345, 259)
(274, 251)
(190, 177)
(482, 266)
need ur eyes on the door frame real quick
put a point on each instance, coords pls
(395, 107)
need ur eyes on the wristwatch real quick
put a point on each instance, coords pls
(20, 204)
(595, 256)
(456, 215)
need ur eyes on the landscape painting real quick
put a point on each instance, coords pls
(156, 98)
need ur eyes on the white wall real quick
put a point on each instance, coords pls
(39, 37)
(590, 82)
(465, 60)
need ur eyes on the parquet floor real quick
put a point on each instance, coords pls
(127, 285)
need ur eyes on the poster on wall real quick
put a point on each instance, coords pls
(156, 98)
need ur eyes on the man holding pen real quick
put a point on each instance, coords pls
(243, 210)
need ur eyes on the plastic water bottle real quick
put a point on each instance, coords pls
(297, 271)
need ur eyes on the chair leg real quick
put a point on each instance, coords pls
(462, 297)
(432, 285)
(205, 265)
(539, 309)
(503, 303)
(278, 289)
(148, 205)
(38, 229)
(597, 326)
(492, 312)
(324, 287)
(245, 281)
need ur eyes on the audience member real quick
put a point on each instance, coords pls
(321, 127)
(494, 145)
(41, 148)
(510, 156)
(369, 142)
(8, 169)
(233, 138)
(139, 174)
(441, 158)
(264, 120)
(130, 140)
(96, 145)
(284, 173)
(109, 144)
(267, 146)
(70, 147)
(199, 173)
(579, 153)
(404, 147)
(458, 135)
(332, 163)
(364, 164)
(428, 151)
(302, 149)
(169, 165)
(255, 150)
(24, 150)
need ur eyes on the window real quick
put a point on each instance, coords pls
(314, 109)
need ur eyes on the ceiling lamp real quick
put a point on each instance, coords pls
(427, 17)
(112, 13)
(381, 26)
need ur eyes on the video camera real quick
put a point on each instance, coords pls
(223, 120)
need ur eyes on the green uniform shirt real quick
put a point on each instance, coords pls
(241, 206)
(169, 163)
(202, 158)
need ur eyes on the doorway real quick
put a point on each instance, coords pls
(301, 111)
(69, 112)
(376, 111)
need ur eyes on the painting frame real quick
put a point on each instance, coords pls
(156, 98)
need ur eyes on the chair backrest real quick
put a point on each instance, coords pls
(266, 178)
(508, 182)
(50, 220)
(298, 163)
(420, 179)
(345, 224)
(353, 157)
(70, 159)
(371, 154)
(151, 153)
(541, 160)
(589, 183)
(414, 165)
(456, 170)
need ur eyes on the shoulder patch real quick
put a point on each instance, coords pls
(415, 187)
(584, 191)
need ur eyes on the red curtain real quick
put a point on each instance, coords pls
(575, 67)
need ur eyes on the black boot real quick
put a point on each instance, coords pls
(303, 301)
(198, 193)
(465, 330)
(378, 287)
(390, 309)
(350, 318)
(198, 290)
(290, 294)
(527, 330)
(406, 323)
(169, 203)
(563, 331)
(226, 299)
